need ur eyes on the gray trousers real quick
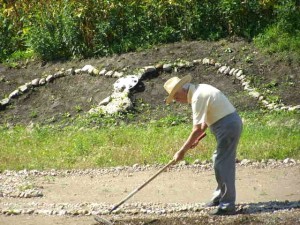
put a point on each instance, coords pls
(227, 132)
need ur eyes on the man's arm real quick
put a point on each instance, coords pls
(191, 142)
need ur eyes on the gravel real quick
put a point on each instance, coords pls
(20, 184)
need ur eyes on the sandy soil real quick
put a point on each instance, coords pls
(257, 186)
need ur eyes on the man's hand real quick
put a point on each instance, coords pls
(179, 156)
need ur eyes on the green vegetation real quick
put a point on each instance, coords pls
(272, 135)
(84, 28)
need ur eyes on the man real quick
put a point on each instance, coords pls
(211, 109)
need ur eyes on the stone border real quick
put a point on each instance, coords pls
(122, 99)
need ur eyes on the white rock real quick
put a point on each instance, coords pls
(218, 65)
(205, 61)
(105, 101)
(167, 67)
(239, 73)
(14, 94)
(118, 74)
(87, 68)
(102, 72)
(35, 82)
(242, 77)
(77, 71)
(245, 83)
(49, 78)
(197, 61)
(231, 71)
(93, 72)
(197, 162)
(70, 71)
(254, 94)
(294, 108)
(149, 69)
(109, 73)
(23, 88)
(42, 81)
(222, 69)
(4, 102)
(235, 72)
(245, 162)
(59, 74)
(226, 71)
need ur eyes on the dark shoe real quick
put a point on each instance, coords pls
(222, 212)
(211, 204)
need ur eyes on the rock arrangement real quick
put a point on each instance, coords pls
(119, 100)
(18, 184)
(86, 209)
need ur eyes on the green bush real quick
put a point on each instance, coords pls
(284, 34)
(83, 28)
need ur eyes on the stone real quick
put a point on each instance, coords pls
(218, 65)
(102, 72)
(167, 67)
(70, 71)
(231, 71)
(197, 162)
(254, 94)
(183, 163)
(14, 94)
(109, 73)
(35, 82)
(294, 108)
(197, 61)
(150, 69)
(118, 74)
(120, 102)
(49, 78)
(239, 73)
(4, 102)
(59, 74)
(226, 71)
(222, 69)
(94, 72)
(245, 162)
(242, 77)
(87, 68)
(77, 71)
(126, 83)
(105, 101)
(23, 88)
(42, 81)
(205, 61)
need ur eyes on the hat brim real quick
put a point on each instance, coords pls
(177, 87)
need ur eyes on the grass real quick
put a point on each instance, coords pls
(265, 135)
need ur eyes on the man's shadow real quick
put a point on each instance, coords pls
(265, 207)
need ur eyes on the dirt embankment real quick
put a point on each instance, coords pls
(72, 95)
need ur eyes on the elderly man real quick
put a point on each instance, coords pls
(211, 109)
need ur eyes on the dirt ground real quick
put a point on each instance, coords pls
(52, 102)
(255, 186)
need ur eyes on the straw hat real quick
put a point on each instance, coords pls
(174, 84)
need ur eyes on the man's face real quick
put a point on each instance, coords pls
(181, 96)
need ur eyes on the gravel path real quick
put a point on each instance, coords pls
(74, 196)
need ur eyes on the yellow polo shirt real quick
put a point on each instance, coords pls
(209, 104)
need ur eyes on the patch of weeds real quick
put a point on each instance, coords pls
(78, 108)
(33, 114)
(271, 84)
(228, 50)
(249, 59)
(25, 187)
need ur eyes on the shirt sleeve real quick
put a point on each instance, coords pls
(200, 109)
